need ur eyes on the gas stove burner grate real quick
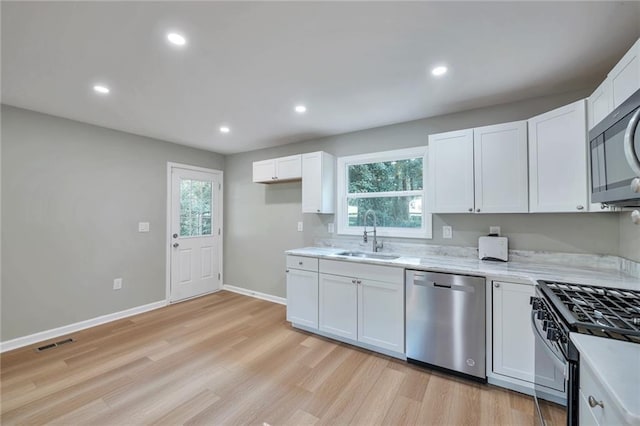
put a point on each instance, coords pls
(610, 310)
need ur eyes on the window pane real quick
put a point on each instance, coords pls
(401, 175)
(195, 208)
(396, 212)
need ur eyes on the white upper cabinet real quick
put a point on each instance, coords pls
(558, 160)
(451, 172)
(625, 76)
(318, 177)
(500, 168)
(482, 170)
(278, 169)
(622, 82)
(600, 103)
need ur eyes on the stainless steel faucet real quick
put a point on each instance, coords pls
(376, 246)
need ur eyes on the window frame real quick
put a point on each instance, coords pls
(342, 216)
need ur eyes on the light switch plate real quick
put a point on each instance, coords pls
(447, 232)
(494, 230)
(143, 226)
(299, 226)
(331, 228)
(117, 284)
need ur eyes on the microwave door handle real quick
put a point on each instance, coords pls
(629, 150)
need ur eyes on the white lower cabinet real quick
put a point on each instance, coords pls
(339, 306)
(601, 410)
(366, 306)
(302, 291)
(514, 348)
(513, 341)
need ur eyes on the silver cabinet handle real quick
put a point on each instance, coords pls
(497, 285)
(175, 245)
(580, 207)
(353, 281)
(300, 263)
(358, 281)
(470, 210)
(594, 402)
(318, 210)
(287, 271)
(478, 210)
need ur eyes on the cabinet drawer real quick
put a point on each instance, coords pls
(389, 274)
(607, 414)
(304, 263)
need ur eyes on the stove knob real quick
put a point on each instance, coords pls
(553, 334)
(535, 302)
(546, 324)
(542, 315)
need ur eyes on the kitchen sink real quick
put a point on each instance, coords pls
(364, 255)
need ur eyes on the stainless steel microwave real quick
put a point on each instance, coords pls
(615, 156)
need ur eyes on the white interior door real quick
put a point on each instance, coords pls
(196, 230)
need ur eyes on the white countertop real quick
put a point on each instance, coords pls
(523, 271)
(616, 365)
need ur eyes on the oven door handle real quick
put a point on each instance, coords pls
(560, 362)
(629, 149)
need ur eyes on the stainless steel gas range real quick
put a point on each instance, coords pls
(560, 308)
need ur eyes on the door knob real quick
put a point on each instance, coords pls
(175, 245)
(175, 235)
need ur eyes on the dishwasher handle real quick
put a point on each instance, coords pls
(432, 284)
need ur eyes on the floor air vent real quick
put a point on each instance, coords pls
(54, 345)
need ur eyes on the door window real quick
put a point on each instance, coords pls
(195, 208)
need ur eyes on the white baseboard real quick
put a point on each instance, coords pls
(256, 294)
(66, 329)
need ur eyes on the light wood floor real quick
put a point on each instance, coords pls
(231, 359)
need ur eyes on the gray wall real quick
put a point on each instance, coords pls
(629, 238)
(260, 220)
(72, 196)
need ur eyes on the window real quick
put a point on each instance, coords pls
(392, 184)
(195, 208)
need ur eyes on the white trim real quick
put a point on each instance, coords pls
(220, 174)
(426, 231)
(71, 328)
(256, 294)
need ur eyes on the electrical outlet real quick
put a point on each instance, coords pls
(143, 226)
(331, 228)
(117, 284)
(299, 226)
(494, 230)
(447, 232)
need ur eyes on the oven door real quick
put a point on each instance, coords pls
(551, 368)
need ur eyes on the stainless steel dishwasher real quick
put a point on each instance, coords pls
(445, 323)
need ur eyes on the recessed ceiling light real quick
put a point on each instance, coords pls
(102, 89)
(438, 71)
(224, 129)
(301, 109)
(177, 39)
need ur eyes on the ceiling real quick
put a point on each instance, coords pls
(355, 65)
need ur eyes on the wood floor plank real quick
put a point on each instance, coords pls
(234, 360)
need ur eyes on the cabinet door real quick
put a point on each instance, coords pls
(600, 103)
(264, 171)
(381, 314)
(339, 306)
(513, 340)
(501, 168)
(312, 183)
(451, 172)
(625, 76)
(289, 168)
(558, 160)
(302, 297)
